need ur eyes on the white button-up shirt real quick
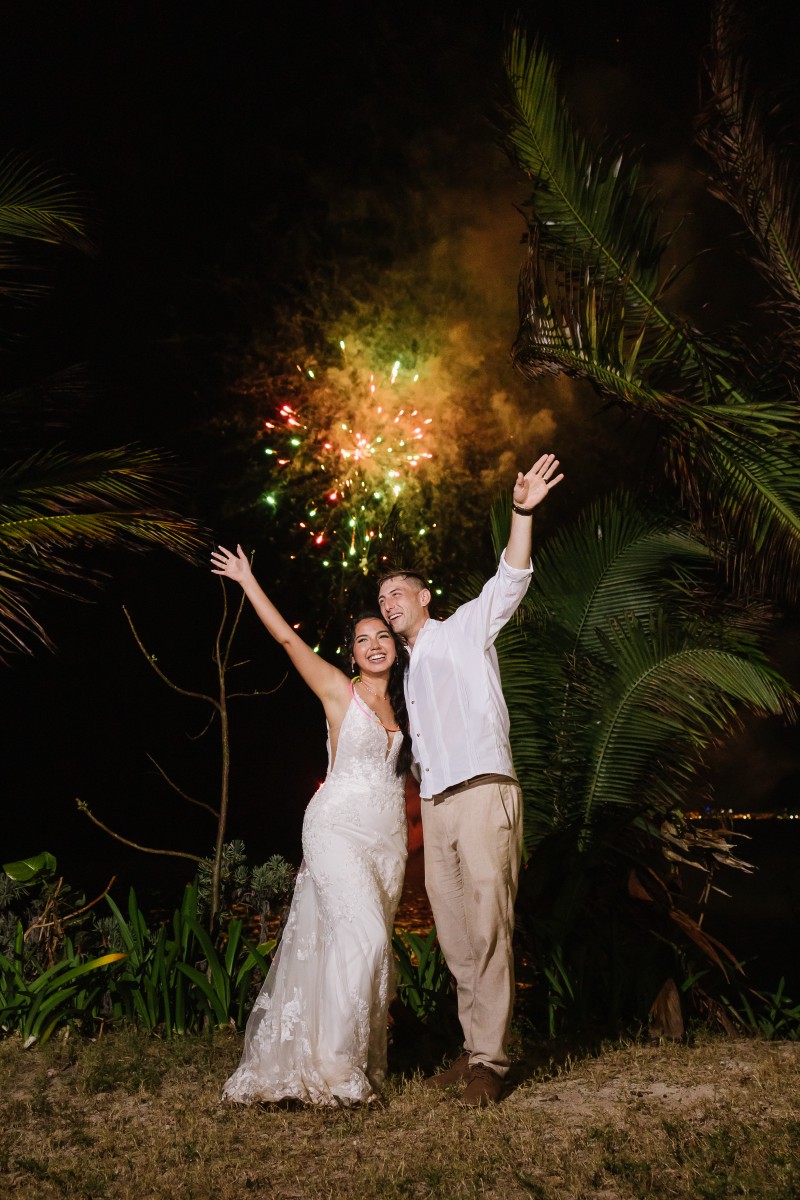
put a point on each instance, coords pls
(457, 715)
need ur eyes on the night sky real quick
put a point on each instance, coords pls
(220, 150)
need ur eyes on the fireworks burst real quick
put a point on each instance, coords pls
(346, 454)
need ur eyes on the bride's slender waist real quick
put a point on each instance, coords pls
(371, 795)
(357, 811)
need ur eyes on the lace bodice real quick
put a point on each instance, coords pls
(364, 758)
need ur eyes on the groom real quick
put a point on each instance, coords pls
(471, 801)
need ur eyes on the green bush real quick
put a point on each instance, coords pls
(424, 983)
(770, 1015)
(175, 979)
(34, 1002)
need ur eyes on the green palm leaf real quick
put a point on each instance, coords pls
(593, 306)
(585, 203)
(590, 215)
(754, 176)
(615, 678)
(35, 205)
(668, 697)
(617, 559)
(55, 504)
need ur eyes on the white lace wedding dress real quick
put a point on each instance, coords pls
(317, 1032)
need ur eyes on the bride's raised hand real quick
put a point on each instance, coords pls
(235, 566)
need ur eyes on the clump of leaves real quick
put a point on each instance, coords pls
(33, 894)
(771, 1015)
(258, 892)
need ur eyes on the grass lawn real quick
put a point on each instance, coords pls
(130, 1116)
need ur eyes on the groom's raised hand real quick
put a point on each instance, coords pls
(531, 489)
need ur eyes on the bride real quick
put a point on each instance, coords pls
(317, 1032)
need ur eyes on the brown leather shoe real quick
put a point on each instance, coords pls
(485, 1087)
(455, 1073)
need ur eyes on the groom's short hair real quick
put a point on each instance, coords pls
(403, 573)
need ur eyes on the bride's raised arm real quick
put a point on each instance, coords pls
(326, 681)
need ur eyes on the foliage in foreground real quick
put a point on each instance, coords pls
(62, 964)
(628, 660)
(70, 991)
(171, 977)
(424, 983)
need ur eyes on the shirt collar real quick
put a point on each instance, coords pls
(430, 622)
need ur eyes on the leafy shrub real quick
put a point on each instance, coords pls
(175, 979)
(34, 1002)
(424, 982)
(770, 1015)
(246, 890)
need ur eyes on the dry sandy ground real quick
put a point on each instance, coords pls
(133, 1117)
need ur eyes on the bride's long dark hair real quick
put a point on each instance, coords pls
(395, 690)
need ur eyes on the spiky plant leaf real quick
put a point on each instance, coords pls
(55, 504)
(615, 677)
(666, 699)
(756, 176)
(593, 306)
(36, 205)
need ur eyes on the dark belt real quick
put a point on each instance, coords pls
(474, 781)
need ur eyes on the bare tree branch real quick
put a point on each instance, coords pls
(84, 808)
(37, 925)
(235, 624)
(181, 793)
(248, 695)
(165, 679)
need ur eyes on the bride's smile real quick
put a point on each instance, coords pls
(373, 647)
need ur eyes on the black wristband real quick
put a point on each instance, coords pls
(522, 512)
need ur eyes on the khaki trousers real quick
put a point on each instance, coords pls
(473, 848)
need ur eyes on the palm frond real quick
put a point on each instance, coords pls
(44, 404)
(18, 626)
(622, 558)
(624, 668)
(591, 305)
(589, 211)
(577, 324)
(102, 478)
(756, 177)
(54, 505)
(666, 701)
(585, 201)
(618, 559)
(745, 488)
(37, 206)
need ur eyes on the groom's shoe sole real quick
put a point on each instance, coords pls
(456, 1073)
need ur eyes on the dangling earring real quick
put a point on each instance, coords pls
(352, 665)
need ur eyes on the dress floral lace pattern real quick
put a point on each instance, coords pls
(317, 1032)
